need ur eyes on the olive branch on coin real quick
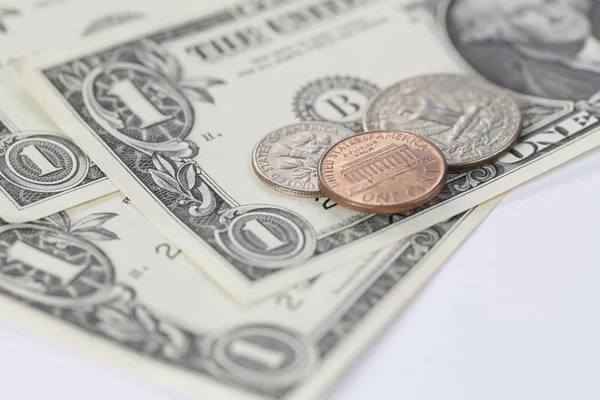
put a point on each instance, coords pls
(302, 169)
(303, 158)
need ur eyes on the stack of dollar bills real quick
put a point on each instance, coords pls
(132, 224)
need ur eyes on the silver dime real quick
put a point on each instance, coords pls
(287, 158)
(471, 122)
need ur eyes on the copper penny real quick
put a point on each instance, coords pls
(382, 172)
(286, 159)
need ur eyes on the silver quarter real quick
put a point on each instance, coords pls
(471, 122)
(287, 159)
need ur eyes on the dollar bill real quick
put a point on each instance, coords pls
(171, 113)
(101, 278)
(41, 171)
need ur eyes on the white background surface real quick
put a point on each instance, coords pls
(513, 314)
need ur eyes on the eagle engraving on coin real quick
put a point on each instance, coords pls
(287, 158)
(471, 122)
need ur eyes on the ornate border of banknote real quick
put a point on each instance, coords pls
(26, 192)
(172, 189)
(41, 171)
(95, 312)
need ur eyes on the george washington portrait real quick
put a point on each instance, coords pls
(543, 48)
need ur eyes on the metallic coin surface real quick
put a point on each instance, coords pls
(382, 172)
(287, 158)
(471, 122)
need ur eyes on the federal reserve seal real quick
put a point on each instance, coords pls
(339, 99)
